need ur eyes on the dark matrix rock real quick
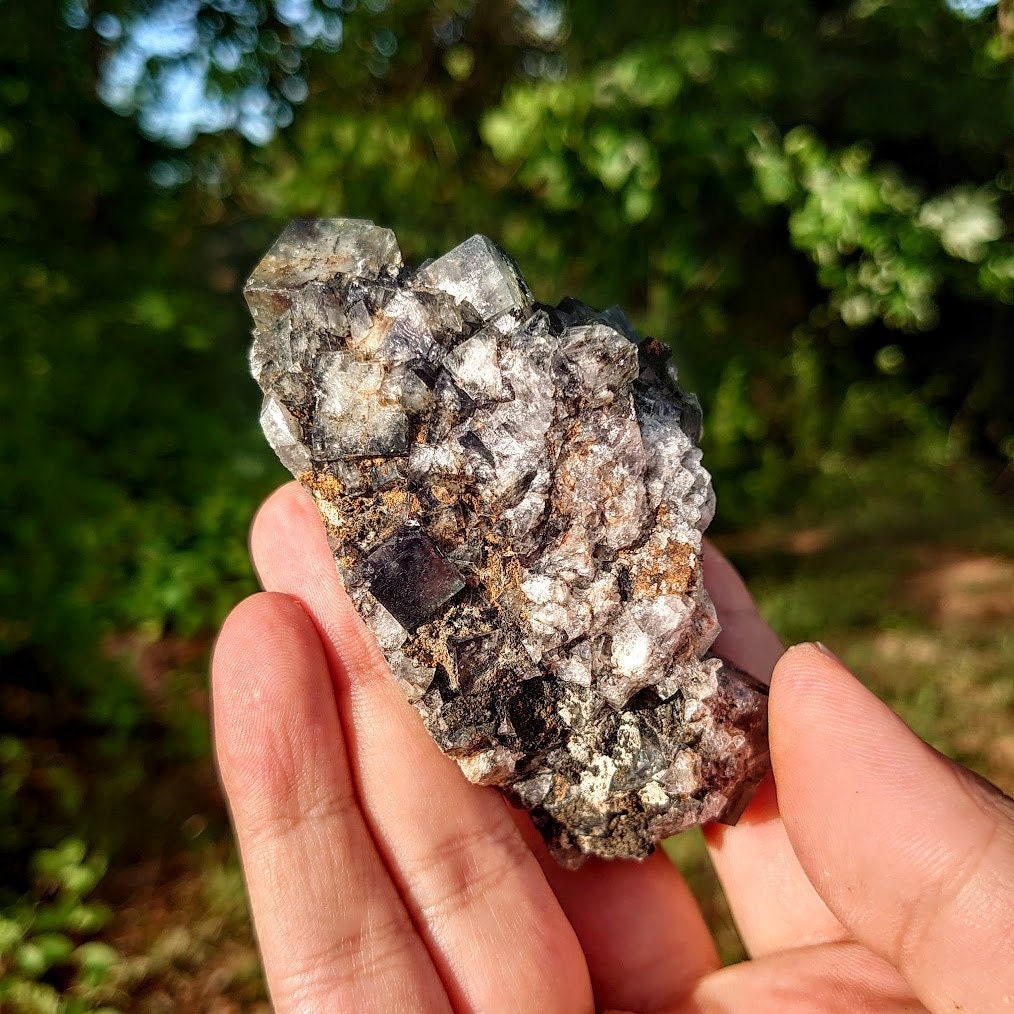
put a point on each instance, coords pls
(515, 500)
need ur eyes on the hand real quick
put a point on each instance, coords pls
(882, 877)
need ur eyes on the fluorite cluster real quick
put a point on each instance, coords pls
(515, 500)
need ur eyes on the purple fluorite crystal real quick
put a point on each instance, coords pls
(515, 500)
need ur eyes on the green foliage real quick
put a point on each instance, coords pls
(730, 175)
(811, 201)
(727, 172)
(48, 961)
(125, 494)
(880, 250)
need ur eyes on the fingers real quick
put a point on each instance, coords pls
(475, 892)
(333, 931)
(773, 902)
(641, 930)
(914, 855)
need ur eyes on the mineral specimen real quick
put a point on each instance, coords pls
(515, 499)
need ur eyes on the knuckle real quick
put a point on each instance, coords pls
(351, 968)
(924, 923)
(462, 868)
(288, 816)
(291, 787)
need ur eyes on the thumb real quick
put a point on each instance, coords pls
(912, 853)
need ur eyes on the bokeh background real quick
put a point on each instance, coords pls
(811, 200)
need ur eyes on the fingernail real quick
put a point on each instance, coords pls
(819, 645)
(825, 650)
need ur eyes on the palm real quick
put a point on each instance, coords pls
(381, 880)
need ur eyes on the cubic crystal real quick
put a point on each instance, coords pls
(408, 576)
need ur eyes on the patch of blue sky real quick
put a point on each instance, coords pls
(971, 8)
(159, 67)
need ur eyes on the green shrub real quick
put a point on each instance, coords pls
(49, 961)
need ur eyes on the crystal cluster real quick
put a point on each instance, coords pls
(515, 500)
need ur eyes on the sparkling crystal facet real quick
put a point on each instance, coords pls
(409, 578)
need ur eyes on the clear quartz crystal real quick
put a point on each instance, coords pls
(515, 500)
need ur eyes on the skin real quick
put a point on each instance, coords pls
(878, 876)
